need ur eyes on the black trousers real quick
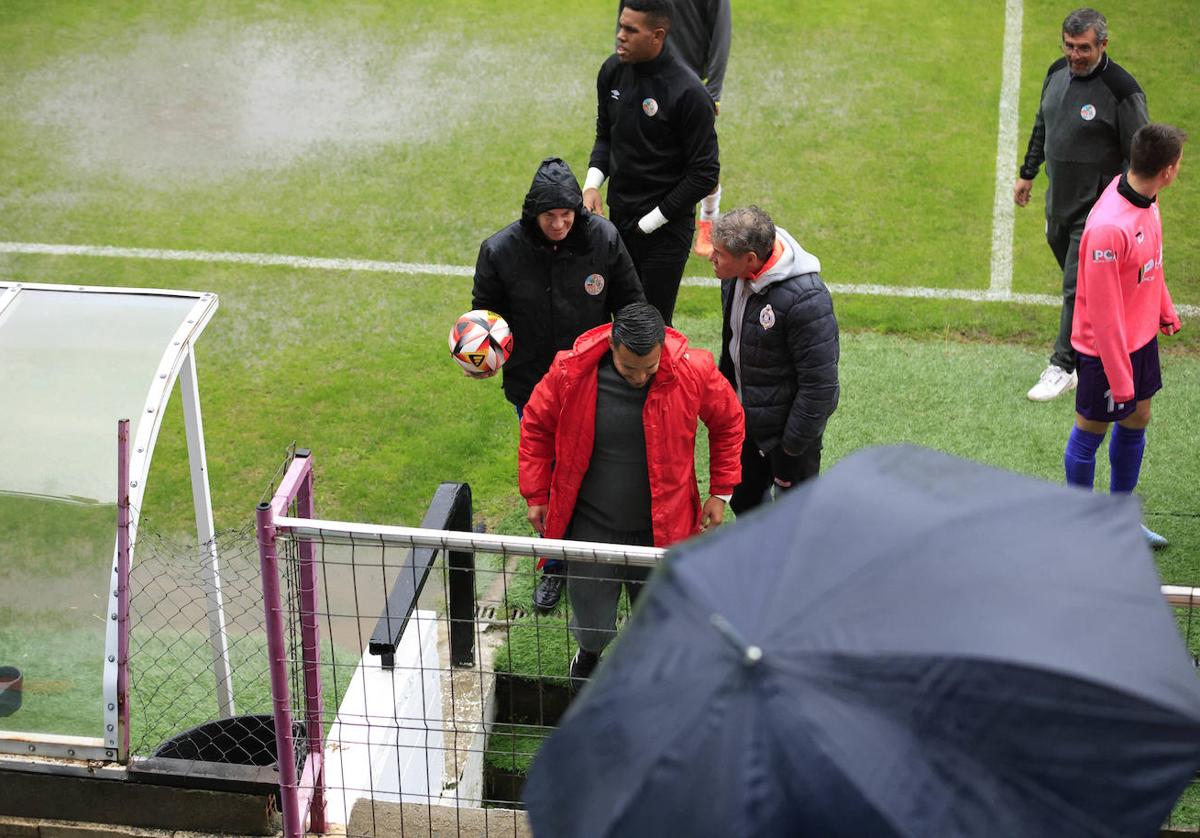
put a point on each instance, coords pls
(759, 470)
(659, 258)
(1063, 239)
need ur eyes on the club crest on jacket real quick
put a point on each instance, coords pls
(594, 284)
(766, 317)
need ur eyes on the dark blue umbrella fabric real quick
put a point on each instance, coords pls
(910, 645)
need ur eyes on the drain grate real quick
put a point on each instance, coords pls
(492, 613)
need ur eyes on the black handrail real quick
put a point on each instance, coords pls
(450, 509)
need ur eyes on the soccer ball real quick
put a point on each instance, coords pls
(480, 341)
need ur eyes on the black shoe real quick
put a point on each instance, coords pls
(582, 666)
(548, 591)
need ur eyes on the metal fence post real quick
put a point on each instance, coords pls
(460, 565)
(277, 652)
(310, 635)
(123, 589)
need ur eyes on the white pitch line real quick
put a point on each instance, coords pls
(871, 290)
(377, 266)
(1006, 150)
(257, 259)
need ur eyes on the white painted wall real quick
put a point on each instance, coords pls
(387, 741)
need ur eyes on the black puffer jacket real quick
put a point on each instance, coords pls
(787, 370)
(551, 293)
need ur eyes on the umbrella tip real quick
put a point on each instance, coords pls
(751, 654)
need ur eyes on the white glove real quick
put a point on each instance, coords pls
(652, 220)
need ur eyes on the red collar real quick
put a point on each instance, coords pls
(776, 252)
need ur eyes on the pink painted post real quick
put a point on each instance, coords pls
(277, 652)
(123, 586)
(310, 634)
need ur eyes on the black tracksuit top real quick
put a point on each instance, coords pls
(656, 138)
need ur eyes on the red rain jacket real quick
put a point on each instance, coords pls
(559, 426)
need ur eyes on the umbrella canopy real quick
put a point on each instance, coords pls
(911, 644)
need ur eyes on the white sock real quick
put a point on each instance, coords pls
(710, 205)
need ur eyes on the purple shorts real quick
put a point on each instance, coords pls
(1093, 399)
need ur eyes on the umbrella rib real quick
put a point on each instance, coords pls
(835, 763)
(987, 762)
(1018, 781)
(891, 551)
(708, 706)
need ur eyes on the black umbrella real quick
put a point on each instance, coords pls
(910, 645)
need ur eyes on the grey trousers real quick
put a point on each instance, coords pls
(594, 588)
(1063, 238)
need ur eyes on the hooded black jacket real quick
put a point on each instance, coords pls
(551, 293)
(789, 351)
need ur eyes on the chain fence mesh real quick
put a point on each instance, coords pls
(423, 744)
(176, 676)
(414, 745)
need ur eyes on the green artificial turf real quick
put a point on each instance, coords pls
(409, 132)
(511, 748)
(171, 682)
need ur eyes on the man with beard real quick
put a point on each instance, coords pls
(1089, 111)
(656, 144)
(608, 454)
(553, 274)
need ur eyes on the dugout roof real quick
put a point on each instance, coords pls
(74, 360)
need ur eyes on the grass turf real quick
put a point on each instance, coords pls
(409, 132)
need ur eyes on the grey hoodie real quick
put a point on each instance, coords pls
(794, 260)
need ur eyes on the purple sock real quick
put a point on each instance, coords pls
(1079, 460)
(1125, 451)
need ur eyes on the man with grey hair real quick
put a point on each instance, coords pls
(1090, 108)
(779, 349)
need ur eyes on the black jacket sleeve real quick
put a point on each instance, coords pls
(812, 334)
(1035, 153)
(489, 291)
(702, 166)
(600, 148)
(626, 286)
(718, 49)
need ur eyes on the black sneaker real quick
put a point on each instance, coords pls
(548, 591)
(582, 667)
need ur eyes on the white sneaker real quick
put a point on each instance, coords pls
(1054, 382)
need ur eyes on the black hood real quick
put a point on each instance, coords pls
(554, 187)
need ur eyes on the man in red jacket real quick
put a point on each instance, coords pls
(607, 454)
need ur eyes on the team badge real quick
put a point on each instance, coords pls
(766, 318)
(594, 284)
(649, 107)
(1088, 112)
